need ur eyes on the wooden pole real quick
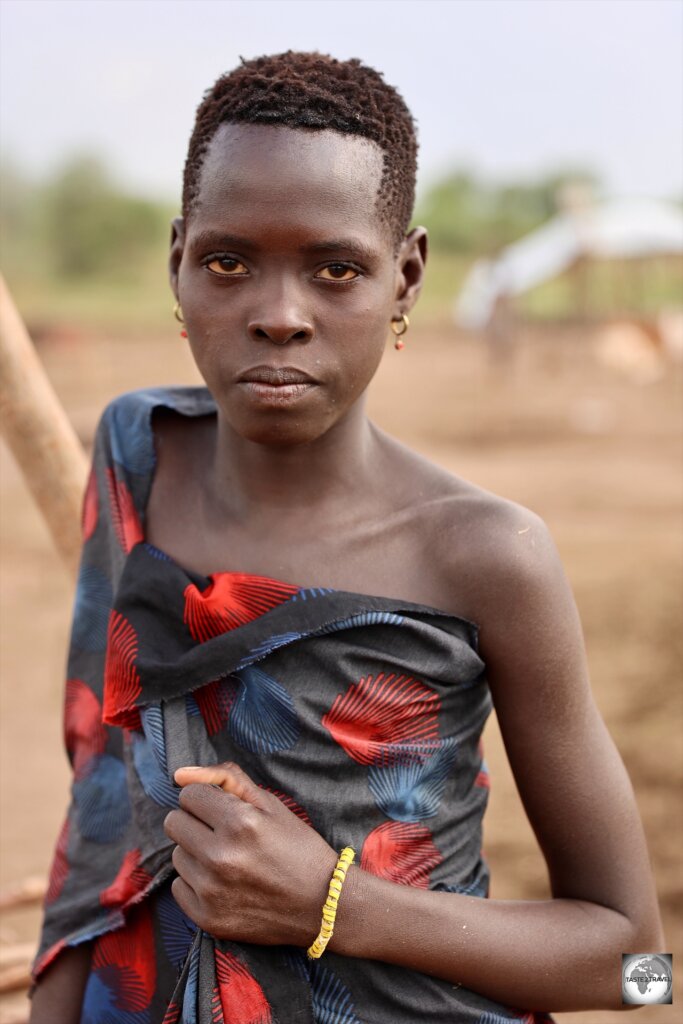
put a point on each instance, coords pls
(39, 433)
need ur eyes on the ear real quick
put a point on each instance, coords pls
(176, 254)
(410, 264)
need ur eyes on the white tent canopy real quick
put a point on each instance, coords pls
(620, 229)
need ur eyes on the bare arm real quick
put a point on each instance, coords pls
(59, 993)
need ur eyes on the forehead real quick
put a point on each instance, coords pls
(298, 178)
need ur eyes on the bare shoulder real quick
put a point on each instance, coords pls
(490, 553)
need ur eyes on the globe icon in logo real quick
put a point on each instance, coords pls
(646, 978)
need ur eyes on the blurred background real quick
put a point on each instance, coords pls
(544, 360)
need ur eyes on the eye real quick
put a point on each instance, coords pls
(337, 272)
(226, 266)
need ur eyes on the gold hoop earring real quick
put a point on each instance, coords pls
(178, 314)
(399, 328)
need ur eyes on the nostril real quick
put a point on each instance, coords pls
(279, 336)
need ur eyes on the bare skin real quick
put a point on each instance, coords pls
(300, 272)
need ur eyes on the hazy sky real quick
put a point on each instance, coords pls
(508, 87)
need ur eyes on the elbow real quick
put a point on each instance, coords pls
(646, 932)
(639, 936)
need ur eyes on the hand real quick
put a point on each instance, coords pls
(248, 868)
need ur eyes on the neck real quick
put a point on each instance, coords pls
(251, 480)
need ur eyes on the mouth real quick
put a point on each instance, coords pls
(275, 376)
(276, 385)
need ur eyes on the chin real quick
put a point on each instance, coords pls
(282, 434)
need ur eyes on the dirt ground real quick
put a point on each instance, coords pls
(597, 455)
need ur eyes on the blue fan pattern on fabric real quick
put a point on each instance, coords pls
(262, 650)
(262, 718)
(102, 802)
(409, 783)
(192, 707)
(332, 1002)
(488, 1017)
(132, 444)
(307, 593)
(331, 999)
(149, 757)
(189, 1012)
(272, 643)
(362, 619)
(157, 553)
(100, 1001)
(153, 778)
(91, 610)
(177, 930)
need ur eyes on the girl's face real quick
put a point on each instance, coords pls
(288, 278)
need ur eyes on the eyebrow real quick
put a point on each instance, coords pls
(217, 239)
(210, 239)
(347, 245)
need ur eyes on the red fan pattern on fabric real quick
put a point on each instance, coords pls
(214, 702)
(130, 881)
(121, 678)
(90, 507)
(172, 1015)
(60, 866)
(124, 516)
(232, 599)
(127, 950)
(84, 734)
(241, 997)
(402, 853)
(381, 712)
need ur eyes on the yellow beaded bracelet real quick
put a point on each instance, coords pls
(330, 905)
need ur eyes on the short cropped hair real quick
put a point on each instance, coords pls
(316, 92)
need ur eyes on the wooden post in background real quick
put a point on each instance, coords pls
(39, 433)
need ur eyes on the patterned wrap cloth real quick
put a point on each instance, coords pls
(362, 714)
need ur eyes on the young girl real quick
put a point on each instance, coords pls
(288, 631)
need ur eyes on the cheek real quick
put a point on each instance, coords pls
(359, 360)
(205, 348)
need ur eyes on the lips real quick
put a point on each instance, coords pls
(275, 376)
(275, 386)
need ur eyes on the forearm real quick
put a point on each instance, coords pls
(59, 993)
(547, 955)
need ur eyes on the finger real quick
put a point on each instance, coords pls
(208, 804)
(188, 867)
(228, 776)
(189, 832)
(186, 898)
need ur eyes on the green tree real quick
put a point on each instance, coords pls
(91, 227)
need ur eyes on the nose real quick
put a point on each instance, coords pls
(280, 320)
(279, 332)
